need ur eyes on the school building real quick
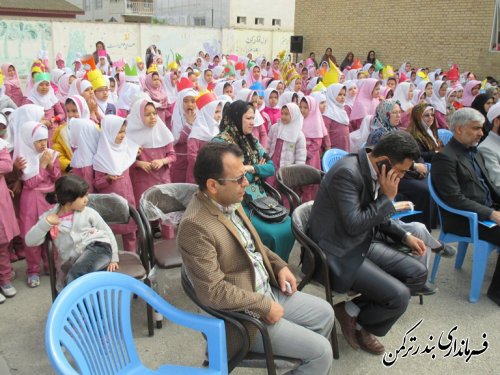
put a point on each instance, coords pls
(427, 33)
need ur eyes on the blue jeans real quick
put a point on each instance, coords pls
(95, 257)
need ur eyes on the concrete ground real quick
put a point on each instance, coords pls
(22, 326)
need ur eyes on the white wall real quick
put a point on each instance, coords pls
(269, 9)
(21, 40)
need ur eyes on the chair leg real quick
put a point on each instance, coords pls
(149, 312)
(335, 343)
(435, 267)
(479, 264)
(462, 250)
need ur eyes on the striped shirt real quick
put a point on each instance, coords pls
(261, 276)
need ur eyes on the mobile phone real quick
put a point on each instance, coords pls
(387, 163)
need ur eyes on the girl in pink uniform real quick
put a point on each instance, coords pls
(84, 136)
(39, 175)
(146, 129)
(8, 225)
(336, 118)
(12, 85)
(115, 155)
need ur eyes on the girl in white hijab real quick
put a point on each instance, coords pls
(404, 95)
(84, 136)
(438, 101)
(146, 129)
(114, 156)
(336, 118)
(39, 175)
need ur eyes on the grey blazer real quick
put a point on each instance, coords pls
(346, 216)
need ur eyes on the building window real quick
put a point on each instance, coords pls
(276, 22)
(200, 21)
(259, 21)
(241, 20)
(98, 4)
(495, 33)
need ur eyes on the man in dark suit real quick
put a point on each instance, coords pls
(462, 181)
(350, 221)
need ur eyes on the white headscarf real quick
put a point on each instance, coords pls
(23, 114)
(205, 127)
(178, 119)
(290, 132)
(81, 106)
(170, 89)
(267, 94)
(349, 101)
(46, 101)
(126, 95)
(155, 137)
(84, 137)
(237, 85)
(31, 132)
(78, 86)
(439, 103)
(334, 109)
(401, 94)
(285, 98)
(111, 158)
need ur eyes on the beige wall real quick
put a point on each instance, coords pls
(20, 40)
(433, 33)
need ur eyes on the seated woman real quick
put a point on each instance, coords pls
(236, 127)
(423, 127)
(413, 186)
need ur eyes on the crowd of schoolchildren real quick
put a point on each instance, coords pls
(94, 125)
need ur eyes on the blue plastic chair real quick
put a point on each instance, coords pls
(482, 249)
(90, 323)
(444, 135)
(331, 157)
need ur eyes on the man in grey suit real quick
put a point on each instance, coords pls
(489, 149)
(462, 182)
(351, 222)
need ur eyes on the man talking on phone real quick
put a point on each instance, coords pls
(351, 222)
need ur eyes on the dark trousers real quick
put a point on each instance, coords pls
(386, 280)
(95, 257)
(486, 234)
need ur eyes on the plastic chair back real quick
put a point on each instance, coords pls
(297, 176)
(89, 329)
(331, 157)
(444, 135)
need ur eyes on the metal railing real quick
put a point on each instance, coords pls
(139, 7)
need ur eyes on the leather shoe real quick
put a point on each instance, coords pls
(445, 250)
(427, 289)
(347, 325)
(495, 297)
(369, 343)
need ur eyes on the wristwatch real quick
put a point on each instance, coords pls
(407, 234)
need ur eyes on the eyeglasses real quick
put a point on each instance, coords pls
(239, 180)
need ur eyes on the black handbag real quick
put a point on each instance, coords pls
(268, 209)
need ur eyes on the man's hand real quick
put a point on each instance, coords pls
(275, 314)
(421, 168)
(495, 216)
(389, 183)
(416, 245)
(286, 275)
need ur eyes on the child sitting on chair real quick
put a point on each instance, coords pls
(84, 242)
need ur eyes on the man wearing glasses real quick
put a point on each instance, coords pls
(232, 270)
(351, 222)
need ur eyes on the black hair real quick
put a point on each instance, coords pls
(69, 100)
(227, 84)
(209, 162)
(397, 146)
(68, 189)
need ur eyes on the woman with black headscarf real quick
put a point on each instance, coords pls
(482, 103)
(236, 127)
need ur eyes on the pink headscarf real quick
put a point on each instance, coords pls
(250, 79)
(159, 94)
(468, 98)
(12, 81)
(365, 104)
(64, 86)
(313, 126)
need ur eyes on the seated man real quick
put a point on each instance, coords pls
(350, 221)
(462, 182)
(232, 270)
(489, 149)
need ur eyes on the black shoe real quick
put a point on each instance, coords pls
(495, 297)
(427, 290)
(445, 250)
